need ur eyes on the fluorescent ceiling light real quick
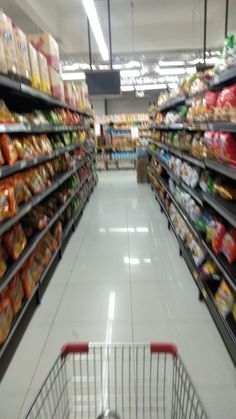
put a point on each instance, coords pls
(103, 67)
(131, 261)
(196, 61)
(127, 88)
(191, 70)
(117, 66)
(151, 86)
(171, 71)
(170, 63)
(130, 73)
(73, 76)
(132, 64)
(96, 27)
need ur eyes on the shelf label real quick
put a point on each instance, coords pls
(22, 164)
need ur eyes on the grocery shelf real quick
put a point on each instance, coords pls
(225, 208)
(195, 193)
(174, 103)
(224, 169)
(41, 129)
(26, 164)
(198, 126)
(26, 303)
(38, 198)
(14, 91)
(181, 154)
(14, 268)
(225, 78)
(229, 270)
(228, 333)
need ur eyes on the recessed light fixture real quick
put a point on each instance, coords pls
(127, 88)
(171, 71)
(150, 86)
(170, 63)
(73, 76)
(96, 27)
(130, 73)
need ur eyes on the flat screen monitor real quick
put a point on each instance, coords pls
(103, 82)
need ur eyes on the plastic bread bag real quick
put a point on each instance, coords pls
(21, 190)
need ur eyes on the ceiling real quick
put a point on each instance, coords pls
(148, 28)
(143, 31)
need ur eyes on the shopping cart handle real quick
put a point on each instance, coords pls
(168, 348)
(74, 348)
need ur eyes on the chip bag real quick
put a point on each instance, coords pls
(6, 317)
(8, 149)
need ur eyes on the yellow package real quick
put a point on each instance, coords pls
(3, 65)
(44, 74)
(35, 74)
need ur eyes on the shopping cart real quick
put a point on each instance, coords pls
(118, 381)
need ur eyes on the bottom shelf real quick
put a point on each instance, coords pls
(58, 253)
(225, 325)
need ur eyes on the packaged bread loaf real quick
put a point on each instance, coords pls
(34, 67)
(6, 34)
(22, 53)
(44, 74)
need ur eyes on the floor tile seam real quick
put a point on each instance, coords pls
(49, 331)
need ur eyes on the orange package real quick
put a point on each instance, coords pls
(30, 275)
(43, 254)
(15, 293)
(8, 149)
(50, 242)
(21, 190)
(3, 260)
(6, 317)
(8, 185)
(2, 161)
(57, 232)
(15, 241)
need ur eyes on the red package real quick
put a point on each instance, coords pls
(211, 99)
(217, 239)
(8, 149)
(227, 145)
(216, 145)
(227, 97)
(229, 245)
(209, 141)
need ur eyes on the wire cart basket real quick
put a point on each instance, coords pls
(120, 381)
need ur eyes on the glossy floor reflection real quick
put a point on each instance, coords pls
(121, 280)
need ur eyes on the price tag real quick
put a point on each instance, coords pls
(22, 164)
(211, 126)
(2, 128)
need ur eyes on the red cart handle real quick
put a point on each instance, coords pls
(160, 348)
(74, 348)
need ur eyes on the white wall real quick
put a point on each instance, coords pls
(120, 106)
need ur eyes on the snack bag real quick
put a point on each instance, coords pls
(6, 317)
(22, 53)
(30, 275)
(8, 149)
(227, 147)
(15, 241)
(218, 236)
(50, 242)
(3, 260)
(229, 245)
(15, 293)
(6, 34)
(21, 190)
(57, 233)
(224, 299)
(43, 254)
(8, 185)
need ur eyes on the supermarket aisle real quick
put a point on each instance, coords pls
(122, 258)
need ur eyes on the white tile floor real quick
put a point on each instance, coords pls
(122, 247)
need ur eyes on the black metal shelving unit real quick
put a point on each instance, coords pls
(68, 228)
(227, 330)
(171, 104)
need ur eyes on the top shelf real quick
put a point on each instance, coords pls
(172, 104)
(13, 91)
(223, 79)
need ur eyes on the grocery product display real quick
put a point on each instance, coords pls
(192, 170)
(46, 177)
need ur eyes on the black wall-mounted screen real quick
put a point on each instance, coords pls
(103, 82)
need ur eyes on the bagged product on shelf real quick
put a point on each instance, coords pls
(35, 219)
(34, 67)
(6, 317)
(44, 74)
(225, 191)
(215, 233)
(226, 104)
(227, 147)
(47, 45)
(3, 260)
(22, 53)
(21, 190)
(8, 149)
(6, 116)
(198, 146)
(57, 232)
(50, 242)
(209, 269)
(3, 64)
(43, 254)
(6, 33)
(15, 293)
(55, 81)
(234, 311)
(34, 181)
(15, 241)
(31, 274)
(229, 245)
(224, 299)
